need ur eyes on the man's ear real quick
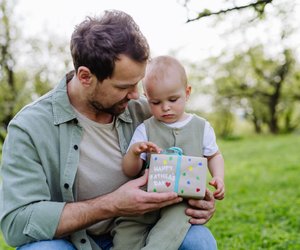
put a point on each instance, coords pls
(84, 75)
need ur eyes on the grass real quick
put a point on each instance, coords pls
(3, 245)
(261, 207)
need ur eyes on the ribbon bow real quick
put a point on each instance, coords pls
(172, 151)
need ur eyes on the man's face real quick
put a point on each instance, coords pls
(113, 94)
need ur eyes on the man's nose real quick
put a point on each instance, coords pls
(133, 93)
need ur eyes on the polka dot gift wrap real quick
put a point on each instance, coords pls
(186, 175)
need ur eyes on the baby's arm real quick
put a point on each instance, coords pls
(132, 163)
(216, 168)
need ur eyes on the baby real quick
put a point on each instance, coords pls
(167, 91)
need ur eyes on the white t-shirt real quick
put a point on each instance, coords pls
(210, 146)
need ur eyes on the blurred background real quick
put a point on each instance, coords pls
(242, 59)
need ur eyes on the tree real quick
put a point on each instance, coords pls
(22, 83)
(261, 86)
(7, 63)
(257, 71)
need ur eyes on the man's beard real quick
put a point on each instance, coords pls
(115, 110)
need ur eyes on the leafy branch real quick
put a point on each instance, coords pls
(258, 6)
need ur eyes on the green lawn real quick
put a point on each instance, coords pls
(262, 205)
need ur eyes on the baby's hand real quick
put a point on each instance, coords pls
(218, 183)
(143, 147)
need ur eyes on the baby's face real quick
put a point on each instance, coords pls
(167, 97)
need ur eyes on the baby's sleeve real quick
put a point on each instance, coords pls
(210, 146)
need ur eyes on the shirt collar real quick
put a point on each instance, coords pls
(62, 109)
(125, 116)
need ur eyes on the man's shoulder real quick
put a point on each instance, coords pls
(50, 106)
(141, 101)
(35, 111)
(139, 108)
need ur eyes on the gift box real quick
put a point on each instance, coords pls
(173, 171)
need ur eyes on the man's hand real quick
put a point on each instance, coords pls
(129, 199)
(201, 210)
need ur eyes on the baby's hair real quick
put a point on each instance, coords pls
(158, 67)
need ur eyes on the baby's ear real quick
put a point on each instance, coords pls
(188, 91)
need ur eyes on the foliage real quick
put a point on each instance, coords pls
(28, 73)
(257, 74)
(222, 121)
(260, 210)
(7, 61)
(263, 89)
(3, 245)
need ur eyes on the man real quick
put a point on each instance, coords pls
(61, 164)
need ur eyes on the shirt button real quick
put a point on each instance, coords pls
(83, 241)
(75, 147)
(66, 185)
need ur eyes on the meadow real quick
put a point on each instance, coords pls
(261, 209)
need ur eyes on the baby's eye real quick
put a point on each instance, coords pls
(155, 102)
(173, 99)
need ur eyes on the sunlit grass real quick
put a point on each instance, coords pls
(261, 208)
(3, 245)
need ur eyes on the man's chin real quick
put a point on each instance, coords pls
(116, 111)
(120, 111)
(121, 108)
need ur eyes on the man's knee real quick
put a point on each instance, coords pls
(198, 237)
(48, 245)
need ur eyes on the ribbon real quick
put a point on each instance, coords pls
(175, 151)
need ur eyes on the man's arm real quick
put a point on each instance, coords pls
(127, 200)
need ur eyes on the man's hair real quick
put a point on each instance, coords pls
(97, 42)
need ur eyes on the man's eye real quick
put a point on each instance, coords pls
(122, 88)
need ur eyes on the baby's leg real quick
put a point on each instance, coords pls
(170, 230)
(131, 232)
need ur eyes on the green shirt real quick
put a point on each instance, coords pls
(39, 163)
